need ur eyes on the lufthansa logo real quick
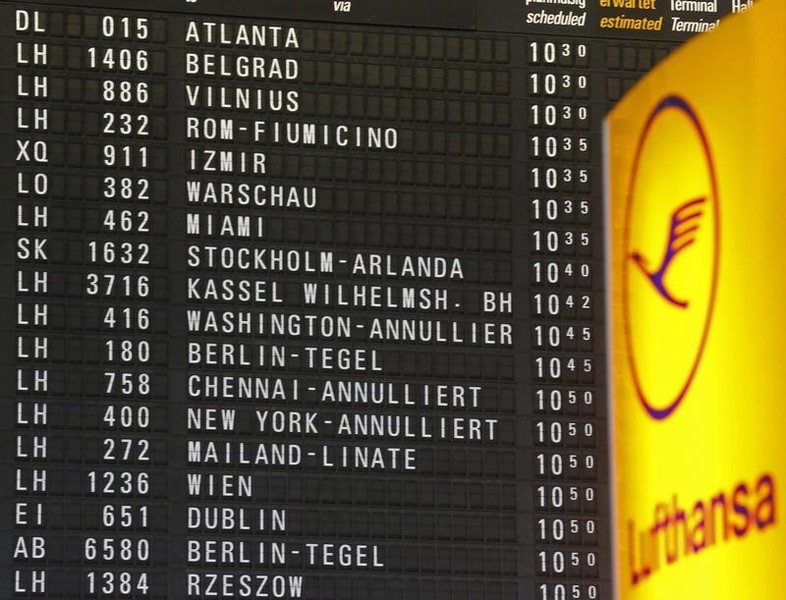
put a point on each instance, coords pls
(671, 251)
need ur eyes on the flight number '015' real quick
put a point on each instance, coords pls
(125, 28)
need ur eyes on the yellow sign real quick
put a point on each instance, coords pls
(696, 236)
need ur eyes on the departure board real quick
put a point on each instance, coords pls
(306, 299)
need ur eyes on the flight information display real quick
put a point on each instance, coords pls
(306, 299)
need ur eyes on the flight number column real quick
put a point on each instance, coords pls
(124, 287)
(566, 397)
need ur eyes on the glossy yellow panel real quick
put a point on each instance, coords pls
(696, 199)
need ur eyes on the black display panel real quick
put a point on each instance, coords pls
(305, 299)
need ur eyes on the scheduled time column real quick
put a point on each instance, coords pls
(569, 460)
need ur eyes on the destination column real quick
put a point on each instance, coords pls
(236, 75)
(349, 401)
